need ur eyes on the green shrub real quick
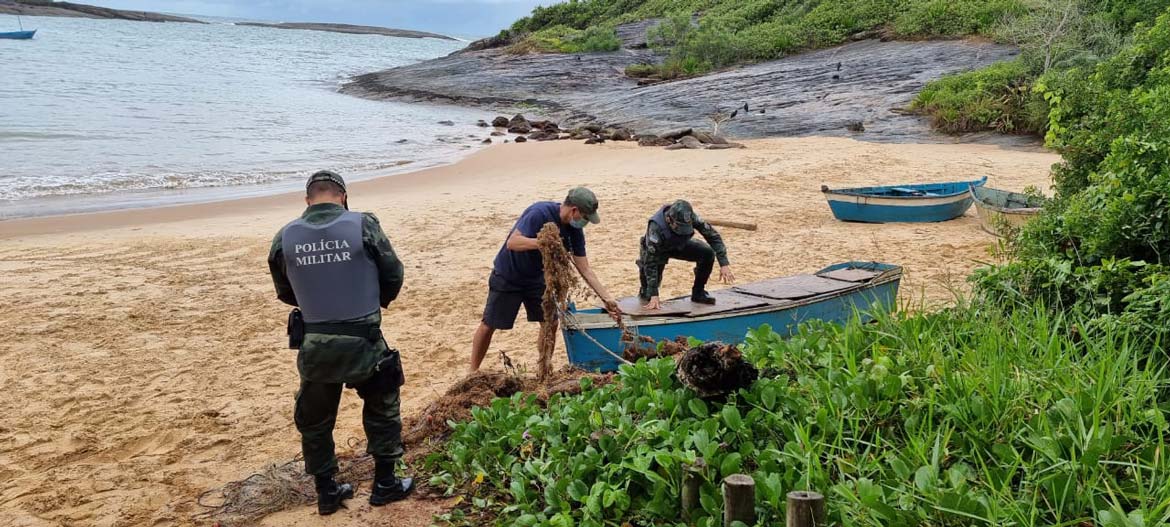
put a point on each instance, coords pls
(998, 98)
(564, 39)
(962, 417)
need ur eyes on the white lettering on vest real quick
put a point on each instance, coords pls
(315, 252)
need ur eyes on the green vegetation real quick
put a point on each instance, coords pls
(963, 417)
(564, 39)
(1054, 36)
(730, 33)
(1103, 247)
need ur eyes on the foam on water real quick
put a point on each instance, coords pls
(108, 114)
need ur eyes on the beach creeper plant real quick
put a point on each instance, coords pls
(965, 417)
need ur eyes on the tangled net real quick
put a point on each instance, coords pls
(560, 280)
(714, 368)
(279, 486)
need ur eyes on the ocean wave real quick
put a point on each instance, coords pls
(21, 188)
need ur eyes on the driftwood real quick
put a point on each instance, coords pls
(734, 224)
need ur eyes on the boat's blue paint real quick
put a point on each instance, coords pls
(930, 202)
(732, 327)
(18, 35)
(880, 213)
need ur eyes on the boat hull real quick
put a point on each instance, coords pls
(582, 339)
(918, 203)
(1001, 212)
(18, 35)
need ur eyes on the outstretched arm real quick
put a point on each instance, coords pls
(582, 264)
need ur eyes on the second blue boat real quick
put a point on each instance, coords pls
(930, 202)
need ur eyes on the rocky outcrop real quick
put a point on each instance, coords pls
(349, 28)
(793, 96)
(69, 9)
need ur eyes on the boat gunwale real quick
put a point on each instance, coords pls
(887, 276)
(859, 191)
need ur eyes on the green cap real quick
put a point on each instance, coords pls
(583, 199)
(326, 175)
(684, 217)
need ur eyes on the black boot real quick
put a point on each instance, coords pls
(330, 495)
(701, 297)
(388, 487)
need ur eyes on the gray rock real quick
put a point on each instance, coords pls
(798, 90)
(703, 137)
(517, 119)
(497, 134)
(500, 122)
(622, 134)
(595, 128)
(677, 134)
(690, 142)
(521, 139)
(487, 141)
(855, 126)
(542, 135)
(482, 123)
(447, 123)
(594, 141)
(521, 127)
(653, 140)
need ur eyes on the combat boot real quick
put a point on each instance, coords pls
(330, 495)
(701, 297)
(388, 487)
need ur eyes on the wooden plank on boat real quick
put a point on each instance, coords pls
(633, 306)
(794, 287)
(851, 275)
(725, 300)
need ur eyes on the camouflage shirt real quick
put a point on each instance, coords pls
(341, 358)
(655, 254)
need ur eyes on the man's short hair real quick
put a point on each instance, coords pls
(319, 188)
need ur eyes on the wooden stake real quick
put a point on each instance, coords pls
(690, 491)
(734, 224)
(806, 509)
(739, 499)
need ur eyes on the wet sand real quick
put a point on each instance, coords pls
(145, 361)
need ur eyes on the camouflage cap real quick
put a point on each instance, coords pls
(583, 199)
(683, 216)
(326, 175)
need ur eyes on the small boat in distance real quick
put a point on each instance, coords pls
(835, 294)
(1001, 211)
(18, 35)
(928, 202)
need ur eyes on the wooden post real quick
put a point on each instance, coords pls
(739, 499)
(806, 509)
(690, 490)
(734, 224)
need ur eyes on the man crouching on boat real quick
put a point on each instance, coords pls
(669, 235)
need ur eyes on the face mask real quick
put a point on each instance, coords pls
(579, 223)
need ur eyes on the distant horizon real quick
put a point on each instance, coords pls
(467, 19)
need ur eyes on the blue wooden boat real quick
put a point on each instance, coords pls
(835, 294)
(18, 35)
(929, 202)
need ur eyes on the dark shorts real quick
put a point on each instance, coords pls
(503, 304)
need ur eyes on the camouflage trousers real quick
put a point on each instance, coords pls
(316, 414)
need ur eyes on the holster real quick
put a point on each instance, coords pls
(296, 329)
(388, 375)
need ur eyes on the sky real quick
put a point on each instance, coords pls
(465, 18)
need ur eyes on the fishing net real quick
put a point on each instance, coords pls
(560, 279)
(714, 368)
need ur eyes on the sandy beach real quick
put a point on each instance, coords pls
(145, 362)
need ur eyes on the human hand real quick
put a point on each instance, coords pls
(725, 274)
(615, 311)
(653, 304)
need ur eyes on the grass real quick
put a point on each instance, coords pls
(962, 417)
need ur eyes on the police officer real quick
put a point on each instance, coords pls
(669, 235)
(338, 268)
(518, 271)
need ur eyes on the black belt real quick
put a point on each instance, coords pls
(366, 331)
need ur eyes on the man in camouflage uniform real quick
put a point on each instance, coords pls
(669, 235)
(339, 269)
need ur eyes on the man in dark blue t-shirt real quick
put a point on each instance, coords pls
(518, 272)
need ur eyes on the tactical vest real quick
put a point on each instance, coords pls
(332, 275)
(670, 240)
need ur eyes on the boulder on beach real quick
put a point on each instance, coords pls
(497, 134)
(521, 127)
(541, 135)
(653, 140)
(500, 122)
(482, 123)
(855, 126)
(622, 134)
(517, 119)
(487, 141)
(677, 134)
(594, 141)
(520, 139)
(690, 142)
